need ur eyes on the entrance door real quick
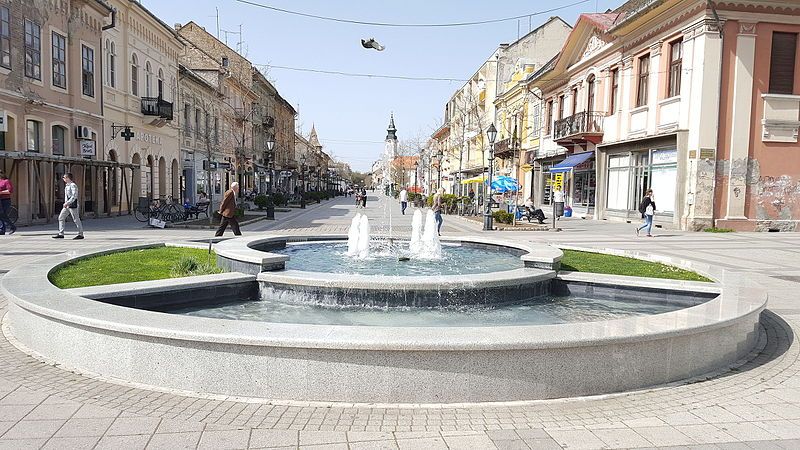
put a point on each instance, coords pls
(58, 187)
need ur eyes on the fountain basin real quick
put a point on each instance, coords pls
(384, 364)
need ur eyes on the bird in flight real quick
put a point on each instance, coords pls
(372, 43)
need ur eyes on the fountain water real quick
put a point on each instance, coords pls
(416, 233)
(363, 237)
(352, 235)
(430, 247)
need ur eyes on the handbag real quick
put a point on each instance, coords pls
(74, 204)
(649, 211)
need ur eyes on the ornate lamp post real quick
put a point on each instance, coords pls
(439, 158)
(416, 174)
(491, 133)
(303, 182)
(270, 143)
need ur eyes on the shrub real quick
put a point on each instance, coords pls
(189, 266)
(262, 201)
(503, 216)
(279, 199)
(718, 230)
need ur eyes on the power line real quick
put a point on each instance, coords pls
(408, 25)
(362, 75)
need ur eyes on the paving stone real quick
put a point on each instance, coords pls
(135, 442)
(71, 443)
(22, 444)
(576, 439)
(664, 436)
(84, 427)
(469, 442)
(262, 438)
(705, 434)
(621, 438)
(430, 443)
(33, 429)
(224, 439)
(174, 441)
(133, 425)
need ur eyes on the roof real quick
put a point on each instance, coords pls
(189, 73)
(405, 162)
(154, 17)
(313, 140)
(603, 21)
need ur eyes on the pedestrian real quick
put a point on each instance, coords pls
(403, 201)
(6, 189)
(437, 209)
(647, 208)
(70, 208)
(364, 197)
(227, 209)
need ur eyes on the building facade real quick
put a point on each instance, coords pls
(694, 100)
(139, 91)
(52, 104)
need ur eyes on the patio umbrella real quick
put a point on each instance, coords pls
(502, 184)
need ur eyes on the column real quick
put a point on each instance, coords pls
(703, 62)
(626, 81)
(740, 120)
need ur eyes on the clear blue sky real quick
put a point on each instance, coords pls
(351, 114)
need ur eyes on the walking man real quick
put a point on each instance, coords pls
(6, 189)
(227, 209)
(70, 208)
(437, 209)
(403, 201)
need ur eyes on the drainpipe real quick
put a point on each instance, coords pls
(113, 20)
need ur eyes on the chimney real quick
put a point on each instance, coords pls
(177, 26)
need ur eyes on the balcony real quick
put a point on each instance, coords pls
(781, 119)
(579, 128)
(157, 106)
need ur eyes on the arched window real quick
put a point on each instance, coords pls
(590, 94)
(112, 65)
(59, 139)
(148, 80)
(160, 83)
(134, 75)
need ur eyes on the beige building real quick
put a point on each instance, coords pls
(139, 90)
(51, 104)
(274, 118)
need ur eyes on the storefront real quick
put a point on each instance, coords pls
(629, 172)
(579, 182)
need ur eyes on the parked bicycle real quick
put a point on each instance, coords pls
(166, 210)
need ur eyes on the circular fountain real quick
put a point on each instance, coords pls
(342, 318)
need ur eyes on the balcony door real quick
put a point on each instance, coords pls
(590, 94)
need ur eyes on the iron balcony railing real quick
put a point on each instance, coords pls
(157, 106)
(580, 123)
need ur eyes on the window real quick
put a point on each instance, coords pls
(5, 37)
(33, 50)
(134, 75)
(59, 139)
(574, 101)
(781, 63)
(34, 135)
(197, 121)
(549, 121)
(644, 73)
(675, 63)
(536, 119)
(148, 80)
(111, 50)
(87, 58)
(590, 94)
(561, 101)
(614, 101)
(160, 83)
(208, 124)
(216, 130)
(59, 44)
(187, 126)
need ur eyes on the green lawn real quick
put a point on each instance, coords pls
(135, 265)
(578, 261)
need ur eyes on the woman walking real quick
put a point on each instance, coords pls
(647, 208)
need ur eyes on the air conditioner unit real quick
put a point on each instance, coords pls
(83, 132)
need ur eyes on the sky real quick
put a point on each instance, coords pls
(351, 114)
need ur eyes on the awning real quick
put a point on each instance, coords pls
(571, 161)
(473, 180)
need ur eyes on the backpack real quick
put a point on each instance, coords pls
(643, 205)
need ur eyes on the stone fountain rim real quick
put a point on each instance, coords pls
(27, 287)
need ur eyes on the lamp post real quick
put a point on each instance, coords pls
(439, 157)
(270, 142)
(491, 133)
(416, 174)
(303, 182)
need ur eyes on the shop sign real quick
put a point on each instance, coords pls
(558, 181)
(526, 167)
(665, 156)
(87, 148)
(586, 165)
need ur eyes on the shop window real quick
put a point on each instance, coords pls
(663, 178)
(59, 140)
(782, 62)
(33, 50)
(619, 173)
(87, 59)
(59, 54)
(675, 68)
(34, 135)
(643, 80)
(5, 37)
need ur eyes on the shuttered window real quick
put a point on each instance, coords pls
(781, 65)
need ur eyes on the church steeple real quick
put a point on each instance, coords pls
(391, 131)
(313, 140)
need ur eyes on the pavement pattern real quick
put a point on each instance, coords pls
(754, 405)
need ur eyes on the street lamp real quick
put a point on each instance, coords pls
(439, 158)
(416, 174)
(270, 204)
(303, 181)
(491, 133)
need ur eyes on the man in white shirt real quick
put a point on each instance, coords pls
(70, 208)
(403, 200)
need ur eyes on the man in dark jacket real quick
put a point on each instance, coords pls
(227, 209)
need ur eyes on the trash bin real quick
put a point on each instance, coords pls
(567, 212)
(559, 209)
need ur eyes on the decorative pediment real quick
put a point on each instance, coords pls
(593, 45)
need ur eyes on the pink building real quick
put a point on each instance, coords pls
(697, 100)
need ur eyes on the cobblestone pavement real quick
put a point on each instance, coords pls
(754, 405)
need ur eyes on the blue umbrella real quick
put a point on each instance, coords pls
(502, 184)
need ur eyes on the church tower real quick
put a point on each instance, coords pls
(390, 148)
